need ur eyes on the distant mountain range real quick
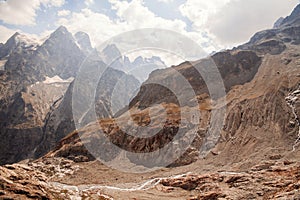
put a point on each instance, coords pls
(139, 68)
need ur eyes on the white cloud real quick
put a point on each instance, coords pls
(198, 11)
(139, 16)
(63, 13)
(241, 19)
(5, 33)
(89, 2)
(19, 12)
(165, 1)
(56, 3)
(232, 22)
(131, 15)
(23, 12)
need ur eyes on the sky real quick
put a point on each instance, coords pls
(213, 24)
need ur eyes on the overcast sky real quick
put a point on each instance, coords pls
(215, 24)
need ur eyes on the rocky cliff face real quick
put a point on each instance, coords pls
(36, 95)
(28, 95)
(292, 19)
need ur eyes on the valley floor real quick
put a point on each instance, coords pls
(59, 178)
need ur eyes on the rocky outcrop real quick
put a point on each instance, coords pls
(278, 23)
(33, 180)
(46, 179)
(292, 19)
(83, 40)
(278, 181)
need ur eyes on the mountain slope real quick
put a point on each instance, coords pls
(36, 95)
(257, 76)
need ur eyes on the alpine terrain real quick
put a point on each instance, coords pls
(243, 144)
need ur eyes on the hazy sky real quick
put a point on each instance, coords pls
(215, 24)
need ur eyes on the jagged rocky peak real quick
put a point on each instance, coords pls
(112, 52)
(12, 39)
(126, 61)
(15, 41)
(152, 60)
(112, 56)
(61, 30)
(8, 47)
(278, 23)
(61, 37)
(293, 19)
(274, 41)
(84, 42)
(59, 55)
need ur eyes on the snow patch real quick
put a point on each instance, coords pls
(78, 45)
(2, 64)
(28, 42)
(57, 79)
(291, 100)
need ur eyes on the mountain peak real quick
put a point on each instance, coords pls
(13, 37)
(292, 19)
(15, 34)
(112, 48)
(84, 42)
(111, 53)
(296, 11)
(61, 29)
(61, 34)
(278, 23)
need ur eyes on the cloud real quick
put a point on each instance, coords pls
(89, 2)
(5, 33)
(198, 11)
(19, 12)
(63, 13)
(137, 15)
(165, 1)
(23, 12)
(53, 3)
(231, 22)
(241, 19)
(130, 16)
